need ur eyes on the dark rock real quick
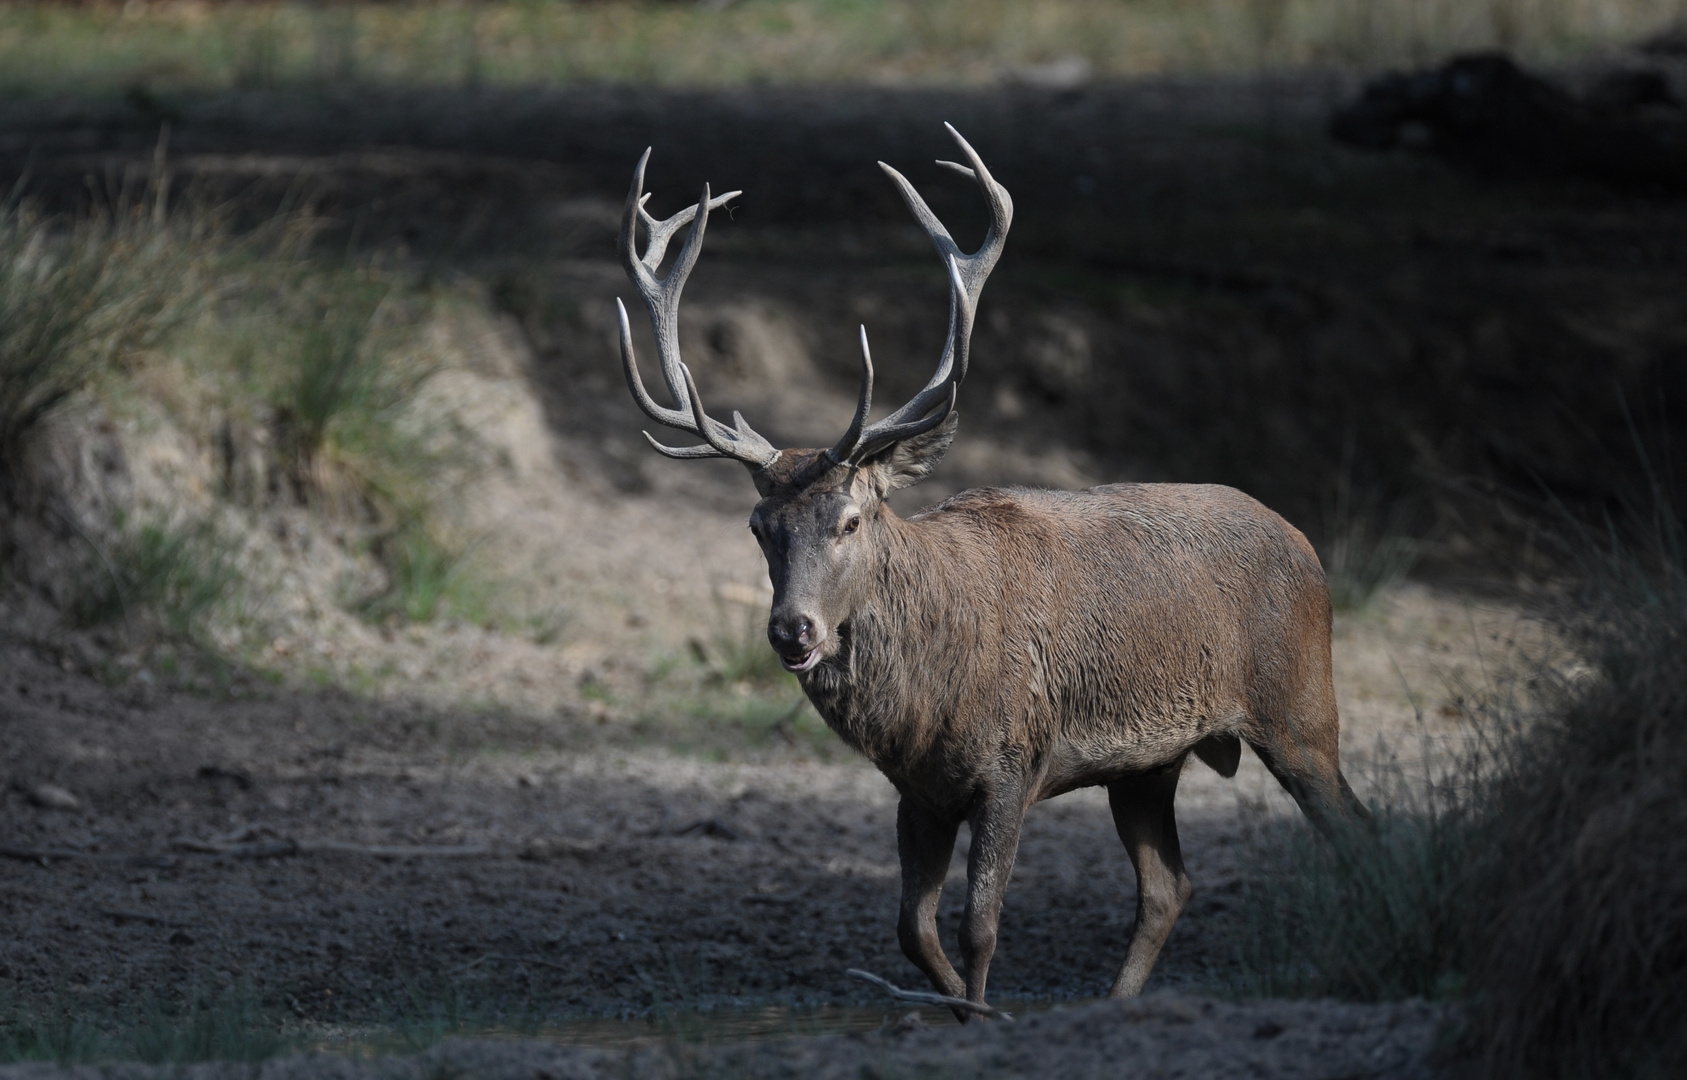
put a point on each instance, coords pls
(1485, 113)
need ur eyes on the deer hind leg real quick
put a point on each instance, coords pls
(1143, 814)
(925, 842)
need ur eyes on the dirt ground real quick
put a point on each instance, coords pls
(490, 865)
(489, 832)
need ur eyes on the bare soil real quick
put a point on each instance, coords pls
(509, 868)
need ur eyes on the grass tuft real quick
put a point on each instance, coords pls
(74, 297)
(1366, 549)
(337, 378)
(1362, 562)
(209, 1026)
(428, 576)
(340, 402)
(1584, 969)
(54, 1030)
(1541, 873)
(230, 1025)
(1377, 913)
(737, 650)
(177, 577)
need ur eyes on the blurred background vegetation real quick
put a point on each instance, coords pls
(175, 45)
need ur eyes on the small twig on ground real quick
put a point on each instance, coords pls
(263, 849)
(926, 997)
(40, 855)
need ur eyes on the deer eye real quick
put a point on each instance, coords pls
(852, 524)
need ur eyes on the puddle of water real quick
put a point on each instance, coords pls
(739, 1025)
(718, 1025)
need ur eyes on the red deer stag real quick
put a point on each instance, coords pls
(1013, 644)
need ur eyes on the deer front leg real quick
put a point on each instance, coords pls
(925, 841)
(995, 843)
(1142, 812)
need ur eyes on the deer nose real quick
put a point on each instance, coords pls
(790, 633)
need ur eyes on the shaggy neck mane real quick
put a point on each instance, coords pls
(895, 690)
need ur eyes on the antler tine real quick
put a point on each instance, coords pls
(739, 442)
(660, 232)
(661, 297)
(705, 426)
(847, 445)
(912, 418)
(981, 262)
(629, 368)
(967, 274)
(976, 266)
(874, 440)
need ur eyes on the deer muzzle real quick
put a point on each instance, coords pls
(797, 638)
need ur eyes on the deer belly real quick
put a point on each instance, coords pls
(1085, 762)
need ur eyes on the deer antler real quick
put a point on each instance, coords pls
(928, 408)
(661, 296)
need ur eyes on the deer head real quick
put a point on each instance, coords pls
(822, 516)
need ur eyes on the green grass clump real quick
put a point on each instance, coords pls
(177, 577)
(53, 1030)
(316, 368)
(730, 724)
(340, 379)
(337, 377)
(728, 697)
(1362, 565)
(231, 1025)
(299, 374)
(428, 576)
(737, 651)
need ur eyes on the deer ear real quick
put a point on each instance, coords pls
(906, 463)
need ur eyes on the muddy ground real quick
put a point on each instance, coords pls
(505, 832)
(391, 865)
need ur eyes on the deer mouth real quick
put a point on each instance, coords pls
(801, 661)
